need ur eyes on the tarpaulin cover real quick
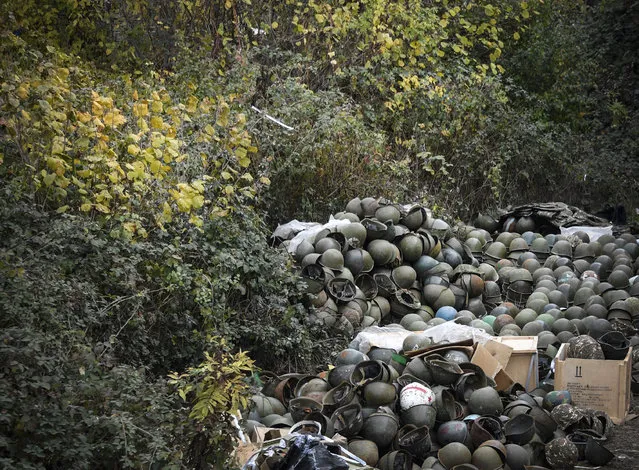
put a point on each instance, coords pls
(308, 453)
(551, 216)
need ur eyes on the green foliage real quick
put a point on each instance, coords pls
(134, 175)
(140, 156)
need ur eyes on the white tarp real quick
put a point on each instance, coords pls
(393, 336)
(306, 231)
(593, 232)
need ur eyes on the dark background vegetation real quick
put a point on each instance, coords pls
(100, 301)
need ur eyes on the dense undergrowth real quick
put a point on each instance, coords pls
(138, 292)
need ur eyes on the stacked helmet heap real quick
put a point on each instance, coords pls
(385, 263)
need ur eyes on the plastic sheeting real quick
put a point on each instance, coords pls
(301, 231)
(593, 232)
(393, 336)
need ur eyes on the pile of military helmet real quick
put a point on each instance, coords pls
(397, 264)
(433, 412)
(389, 263)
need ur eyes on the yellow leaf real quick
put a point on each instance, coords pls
(240, 152)
(83, 117)
(226, 175)
(156, 122)
(265, 180)
(49, 179)
(223, 116)
(516, 36)
(114, 119)
(62, 209)
(135, 95)
(97, 109)
(274, 25)
(133, 149)
(140, 109)
(22, 92)
(25, 115)
(228, 4)
(86, 207)
(157, 107)
(155, 166)
(191, 104)
(228, 189)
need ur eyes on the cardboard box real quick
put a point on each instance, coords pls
(598, 384)
(523, 363)
(492, 358)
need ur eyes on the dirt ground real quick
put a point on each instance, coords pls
(624, 443)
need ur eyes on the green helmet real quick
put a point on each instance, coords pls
(496, 251)
(437, 296)
(333, 259)
(382, 252)
(266, 406)
(584, 251)
(525, 224)
(396, 460)
(453, 454)
(487, 457)
(474, 245)
(415, 342)
(315, 278)
(355, 206)
(354, 261)
(355, 233)
(518, 245)
(388, 212)
(619, 279)
(303, 249)
(487, 223)
(326, 243)
(562, 248)
(380, 427)
(379, 394)
(539, 246)
(404, 276)
(415, 217)
(411, 247)
(506, 237)
(485, 401)
(365, 450)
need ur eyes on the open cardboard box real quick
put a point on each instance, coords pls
(493, 358)
(598, 384)
(523, 364)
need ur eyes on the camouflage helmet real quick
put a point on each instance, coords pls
(561, 453)
(584, 347)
